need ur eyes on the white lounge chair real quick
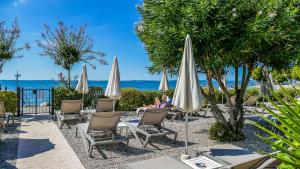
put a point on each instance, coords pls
(70, 110)
(237, 158)
(229, 156)
(150, 125)
(101, 129)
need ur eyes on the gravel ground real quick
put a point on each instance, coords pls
(9, 147)
(115, 157)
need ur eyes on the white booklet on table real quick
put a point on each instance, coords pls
(203, 163)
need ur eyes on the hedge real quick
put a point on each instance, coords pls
(64, 93)
(10, 100)
(133, 98)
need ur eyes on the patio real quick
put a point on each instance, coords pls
(41, 143)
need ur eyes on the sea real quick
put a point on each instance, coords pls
(138, 84)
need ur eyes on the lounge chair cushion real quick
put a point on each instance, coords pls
(104, 105)
(71, 106)
(104, 120)
(153, 116)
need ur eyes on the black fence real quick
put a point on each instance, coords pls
(35, 101)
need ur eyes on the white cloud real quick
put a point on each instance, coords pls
(19, 2)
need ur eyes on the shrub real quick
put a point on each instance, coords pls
(253, 92)
(295, 72)
(282, 93)
(91, 98)
(170, 93)
(218, 95)
(10, 100)
(287, 140)
(131, 99)
(64, 93)
(218, 132)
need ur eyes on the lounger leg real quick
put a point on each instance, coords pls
(137, 138)
(61, 124)
(91, 151)
(127, 141)
(4, 127)
(205, 112)
(76, 132)
(174, 117)
(7, 119)
(135, 135)
(87, 144)
(175, 137)
(69, 127)
(146, 141)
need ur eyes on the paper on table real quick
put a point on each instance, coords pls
(209, 163)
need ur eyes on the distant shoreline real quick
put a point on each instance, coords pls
(138, 84)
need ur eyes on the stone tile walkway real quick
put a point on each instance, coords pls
(42, 146)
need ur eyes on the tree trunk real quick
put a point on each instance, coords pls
(69, 78)
(234, 122)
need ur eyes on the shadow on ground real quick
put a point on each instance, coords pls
(31, 147)
(9, 146)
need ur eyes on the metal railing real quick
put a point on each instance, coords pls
(35, 101)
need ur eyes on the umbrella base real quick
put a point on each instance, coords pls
(185, 157)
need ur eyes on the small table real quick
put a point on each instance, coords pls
(123, 126)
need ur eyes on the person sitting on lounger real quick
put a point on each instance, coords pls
(156, 102)
(160, 104)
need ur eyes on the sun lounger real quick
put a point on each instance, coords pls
(101, 129)
(70, 110)
(225, 156)
(104, 105)
(236, 157)
(150, 125)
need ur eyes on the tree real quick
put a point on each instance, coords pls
(8, 40)
(68, 46)
(225, 34)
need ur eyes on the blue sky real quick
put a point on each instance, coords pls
(109, 23)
